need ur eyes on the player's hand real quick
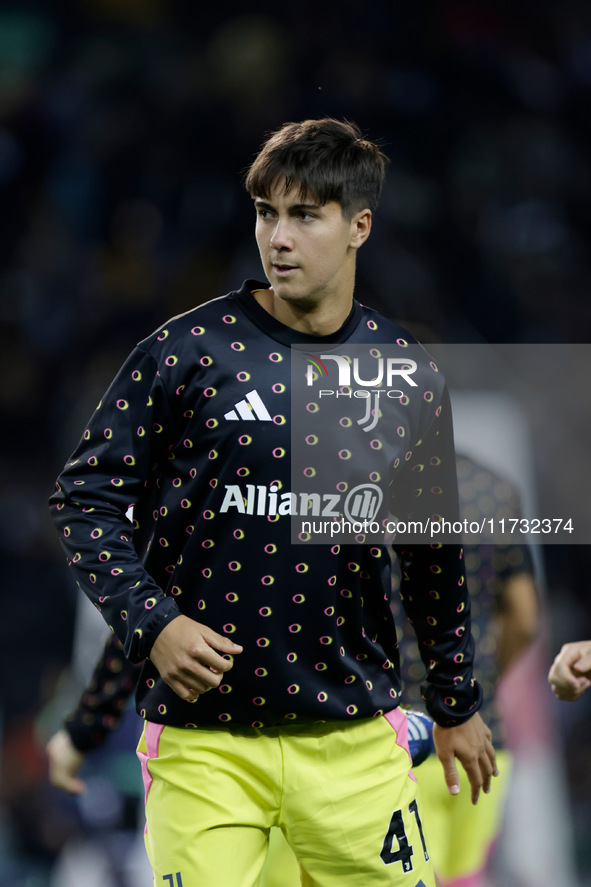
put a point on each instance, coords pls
(471, 744)
(65, 762)
(570, 674)
(191, 657)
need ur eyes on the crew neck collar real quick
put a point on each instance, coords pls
(286, 334)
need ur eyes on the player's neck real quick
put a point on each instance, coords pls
(320, 319)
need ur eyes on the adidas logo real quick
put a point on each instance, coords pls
(251, 408)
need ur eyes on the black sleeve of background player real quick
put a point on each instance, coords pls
(105, 698)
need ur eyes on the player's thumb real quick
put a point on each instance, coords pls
(223, 644)
(583, 665)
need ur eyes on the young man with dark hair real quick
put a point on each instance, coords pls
(270, 687)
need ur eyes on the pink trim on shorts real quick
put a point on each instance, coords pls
(397, 720)
(152, 734)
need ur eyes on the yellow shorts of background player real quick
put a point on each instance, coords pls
(342, 794)
(461, 835)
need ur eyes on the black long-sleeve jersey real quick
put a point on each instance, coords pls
(195, 433)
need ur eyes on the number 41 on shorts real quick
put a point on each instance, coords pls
(396, 830)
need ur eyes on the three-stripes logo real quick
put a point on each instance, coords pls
(250, 409)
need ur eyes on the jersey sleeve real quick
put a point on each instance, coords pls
(433, 588)
(104, 699)
(435, 598)
(126, 439)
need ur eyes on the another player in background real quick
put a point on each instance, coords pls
(570, 673)
(504, 602)
(270, 686)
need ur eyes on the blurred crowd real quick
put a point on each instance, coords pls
(125, 127)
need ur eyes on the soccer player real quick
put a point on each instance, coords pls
(570, 673)
(270, 685)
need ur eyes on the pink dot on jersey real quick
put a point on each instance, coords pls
(322, 696)
(108, 433)
(261, 672)
(171, 360)
(275, 357)
(104, 556)
(267, 580)
(122, 404)
(265, 611)
(375, 444)
(329, 611)
(325, 640)
(292, 657)
(402, 342)
(234, 566)
(96, 533)
(298, 598)
(185, 503)
(302, 568)
(208, 515)
(278, 453)
(258, 700)
(229, 318)
(197, 331)
(244, 440)
(207, 543)
(449, 700)
(238, 534)
(293, 688)
(270, 548)
(351, 709)
(278, 388)
(279, 420)
(225, 717)
(232, 597)
(229, 628)
(459, 657)
(321, 666)
(210, 392)
(237, 346)
(243, 376)
(150, 603)
(312, 407)
(295, 628)
(242, 472)
(309, 471)
(372, 325)
(345, 454)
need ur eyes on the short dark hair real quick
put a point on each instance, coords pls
(328, 159)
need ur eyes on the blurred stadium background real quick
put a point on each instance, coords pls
(125, 126)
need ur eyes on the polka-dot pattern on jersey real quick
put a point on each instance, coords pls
(209, 481)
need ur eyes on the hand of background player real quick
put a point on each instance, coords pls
(471, 744)
(191, 657)
(65, 762)
(570, 674)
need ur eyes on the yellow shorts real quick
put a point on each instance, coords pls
(461, 835)
(342, 794)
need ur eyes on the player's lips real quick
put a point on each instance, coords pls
(283, 270)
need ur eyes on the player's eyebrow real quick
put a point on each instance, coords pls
(293, 208)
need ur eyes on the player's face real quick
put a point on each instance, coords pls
(308, 250)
